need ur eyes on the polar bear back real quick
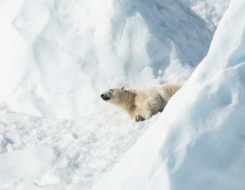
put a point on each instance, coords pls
(153, 100)
(165, 90)
(168, 90)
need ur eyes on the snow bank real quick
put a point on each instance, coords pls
(198, 142)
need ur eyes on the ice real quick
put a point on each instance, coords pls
(57, 56)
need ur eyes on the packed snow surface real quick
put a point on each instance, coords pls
(198, 141)
(57, 56)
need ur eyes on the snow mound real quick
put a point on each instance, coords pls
(198, 141)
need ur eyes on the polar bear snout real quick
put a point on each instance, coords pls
(105, 97)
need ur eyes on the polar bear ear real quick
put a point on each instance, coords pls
(122, 88)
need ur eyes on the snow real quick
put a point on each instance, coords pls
(198, 141)
(27, 164)
(57, 56)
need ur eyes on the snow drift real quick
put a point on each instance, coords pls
(198, 142)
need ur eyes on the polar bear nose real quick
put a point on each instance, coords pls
(105, 97)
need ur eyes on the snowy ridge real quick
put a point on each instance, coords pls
(199, 145)
(57, 56)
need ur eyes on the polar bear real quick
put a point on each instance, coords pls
(141, 104)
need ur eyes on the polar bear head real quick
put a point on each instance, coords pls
(113, 95)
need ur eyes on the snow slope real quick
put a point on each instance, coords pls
(56, 58)
(198, 142)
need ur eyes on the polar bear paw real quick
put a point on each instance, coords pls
(139, 118)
